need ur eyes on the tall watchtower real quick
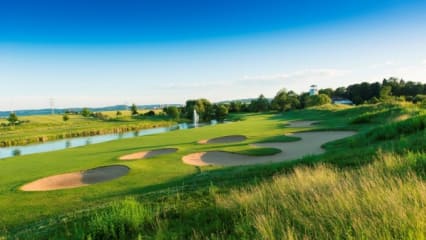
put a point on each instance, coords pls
(313, 90)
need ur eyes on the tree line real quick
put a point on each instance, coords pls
(391, 89)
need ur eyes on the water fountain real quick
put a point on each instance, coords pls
(196, 118)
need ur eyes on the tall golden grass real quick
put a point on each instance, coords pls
(384, 200)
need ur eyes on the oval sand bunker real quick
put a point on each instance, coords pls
(309, 144)
(148, 154)
(224, 139)
(77, 179)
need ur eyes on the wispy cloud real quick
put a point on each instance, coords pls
(194, 85)
(308, 74)
(382, 65)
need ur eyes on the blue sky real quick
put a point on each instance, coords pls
(97, 53)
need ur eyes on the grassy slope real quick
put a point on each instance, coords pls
(225, 208)
(144, 175)
(51, 127)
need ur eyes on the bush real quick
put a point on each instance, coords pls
(13, 119)
(172, 112)
(150, 113)
(134, 109)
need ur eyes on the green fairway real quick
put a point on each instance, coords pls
(161, 174)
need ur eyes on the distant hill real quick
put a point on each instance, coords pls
(245, 100)
(30, 112)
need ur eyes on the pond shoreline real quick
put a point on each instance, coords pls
(69, 135)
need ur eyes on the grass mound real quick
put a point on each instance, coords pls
(398, 129)
(381, 113)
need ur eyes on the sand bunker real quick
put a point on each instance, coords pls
(297, 124)
(148, 154)
(77, 179)
(224, 139)
(309, 144)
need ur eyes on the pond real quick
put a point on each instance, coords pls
(83, 141)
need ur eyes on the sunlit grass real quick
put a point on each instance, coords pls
(373, 202)
(363, 187)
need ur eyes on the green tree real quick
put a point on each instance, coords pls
(285, 101)
(280, 101)
(134, 109)
(323, 99)
(221, 111)
(340, 92)
(317, 100)
(13, 119)
(172, 112)
(327, 91)
(203, 107)
(261, 104)
(235, 106)
(85, 112)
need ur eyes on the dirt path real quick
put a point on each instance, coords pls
(309, 144)
(77, 179)
(148, 154)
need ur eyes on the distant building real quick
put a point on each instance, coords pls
(313, 90)
(345, 101)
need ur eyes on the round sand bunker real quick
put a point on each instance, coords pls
(224, 139)
(77, 179)
(148, 154)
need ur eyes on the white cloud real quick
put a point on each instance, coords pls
(423, 62)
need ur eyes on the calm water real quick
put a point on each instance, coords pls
(83, 141)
